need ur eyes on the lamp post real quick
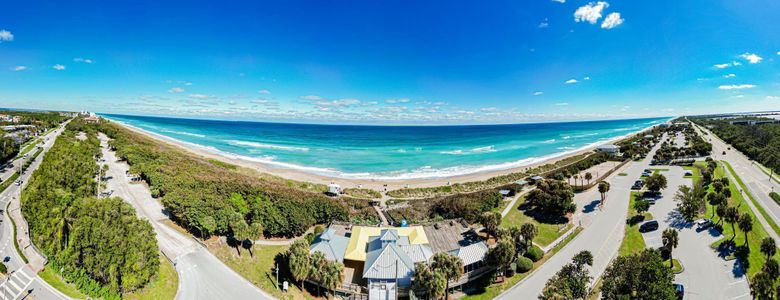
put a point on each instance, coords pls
(277, 276)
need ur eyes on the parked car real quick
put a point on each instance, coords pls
(648, 226)
(679, 290)
(702, 224)
(688, 173)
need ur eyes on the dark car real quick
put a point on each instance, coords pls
(648, 226)
(679, 290)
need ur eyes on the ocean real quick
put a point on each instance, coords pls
(389, 152)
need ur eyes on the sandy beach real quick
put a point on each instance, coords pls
(378, 185)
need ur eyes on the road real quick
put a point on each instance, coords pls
(201, 274)
(24, 278)
(758, 183)
(601, 235)
(705, 275)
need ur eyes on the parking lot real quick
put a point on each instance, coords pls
(704, 275)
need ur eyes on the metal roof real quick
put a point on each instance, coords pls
(471, 253)
(332, 245)
(390, 262)
(417, 253)
(356, 249)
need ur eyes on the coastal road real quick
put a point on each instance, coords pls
(201, 274)
(22, 277)
(705, 275)
(757, 181)
(601, 235)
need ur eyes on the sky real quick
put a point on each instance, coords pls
(392, 62)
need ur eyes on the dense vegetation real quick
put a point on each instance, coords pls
(638, 276)
(42, 119)
(8, 147)
(552, 197)
(759, 142)
(97, 244)
(199, 193)
(467, 206)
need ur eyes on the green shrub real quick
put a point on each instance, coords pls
(524, 264)
(775, 197)
(3, 269)
(534, 253)
(511, 270)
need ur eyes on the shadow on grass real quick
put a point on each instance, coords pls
(541, 216)
(631, 221)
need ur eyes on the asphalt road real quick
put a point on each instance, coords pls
(201, 274)
(602, 232)
(705, 275)
(23, 279)
(758, 183)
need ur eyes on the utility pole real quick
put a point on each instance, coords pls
(277, 276)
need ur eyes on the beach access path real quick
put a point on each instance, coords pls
(602, 233)
(201, 274)
(22, 277)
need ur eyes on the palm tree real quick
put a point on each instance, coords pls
(491, 221)
(318, 262)
(670, 241)
(761, 286)
(450, 265)
(576, 176)
(603, 189)
(528, 231)
(299, 261)
(731, 215)
(588, 176)
(768, 247)
(720, 210)
(746, 225)
(331, 275)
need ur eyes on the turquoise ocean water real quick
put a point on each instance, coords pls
(389, 152)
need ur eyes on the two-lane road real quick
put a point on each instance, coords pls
(23, 278)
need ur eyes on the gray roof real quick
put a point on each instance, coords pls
(417, 253)
(388, 235)
(332, 245)
(471, 253)
(390, 262)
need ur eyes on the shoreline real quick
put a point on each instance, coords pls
(298, 173)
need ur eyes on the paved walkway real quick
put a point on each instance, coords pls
(201, 274)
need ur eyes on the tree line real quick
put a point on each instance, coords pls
(214, 199)
(759, 142)
(99, 245)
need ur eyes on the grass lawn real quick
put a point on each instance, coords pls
(258, 269)
(163, 286)
(54, 279)
(677, 268)
(632, 240)
(754, 260)
(548, 232)
(495, 289)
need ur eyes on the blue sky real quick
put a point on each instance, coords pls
(392, 62)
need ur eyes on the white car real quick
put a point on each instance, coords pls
(702, 224)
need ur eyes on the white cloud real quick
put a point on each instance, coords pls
(562, 104)
(544, 24)
(729, 75)
(488, 109)
(772, 98)
(590, 12)
(259, 101)
(401, 100)
(751, 57)
(312, 97)
(612, 20)
(736, 86)
(265, 92)
(176, 90)
(726, 65)
(82, 60)
(739, 96)
(19, 68)
(586, 78)
(570, 81)
(537, 93)
(58, 67)
(6, 36)
(200, 96)
(559, 1)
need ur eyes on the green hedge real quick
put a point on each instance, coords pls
(524, 264)
(775, 197)
(534, 253)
